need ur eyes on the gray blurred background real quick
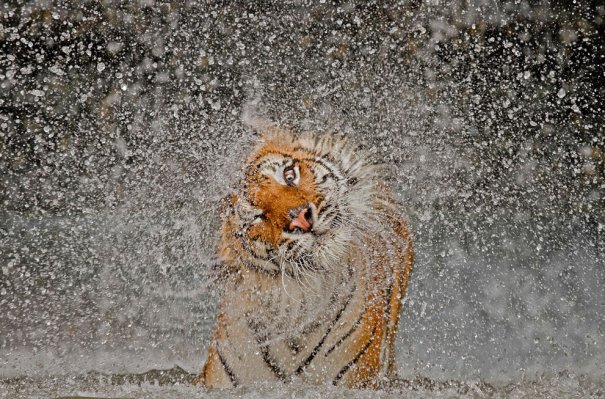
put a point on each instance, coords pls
(120, 129)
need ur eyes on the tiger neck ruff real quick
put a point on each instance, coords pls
(318, 259)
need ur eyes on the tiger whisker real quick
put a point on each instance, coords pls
(301, 272)
(283, 282)
(349, 221)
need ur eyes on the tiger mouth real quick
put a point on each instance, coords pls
(301, 220)
(296, 230)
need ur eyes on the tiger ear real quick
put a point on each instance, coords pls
(265, 130)
(262, 128)
(227, 202)
(252, 118)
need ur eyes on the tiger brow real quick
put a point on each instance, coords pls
(227, 369)
(283, 154)
(303, 149)
(267, 162)
(328, 166)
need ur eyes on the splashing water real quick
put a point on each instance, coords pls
(121, 129)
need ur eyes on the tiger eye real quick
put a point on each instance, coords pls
(289, 174)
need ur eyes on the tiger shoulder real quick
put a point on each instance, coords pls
(318, 258)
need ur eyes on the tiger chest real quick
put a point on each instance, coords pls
(287, 330)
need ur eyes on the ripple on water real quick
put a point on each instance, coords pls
(175, 383)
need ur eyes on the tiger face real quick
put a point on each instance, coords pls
(299, 207)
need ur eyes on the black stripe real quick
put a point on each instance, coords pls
(324, 209)
(320, 205)
(227, 369)
(353, 328)
(392, 283)
(305, 149)
(346, 368)
(270, 252)
(256, 255)
(283, 154)
(295, 252)
(309, 329)
(325, 177)
(387, 305)
(248, 250)
(291, 244)
(272, 364)
(266, 272)
(315, 351)
(254, 326)
(332, 210)
(260, 270)
(303, 260)
(266, 163)
(318, 161)
(335, 223)
(255, 268)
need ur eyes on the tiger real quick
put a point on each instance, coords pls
(317, 257)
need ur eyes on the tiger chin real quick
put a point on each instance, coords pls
(318, 258)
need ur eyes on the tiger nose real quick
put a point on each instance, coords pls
(303, 220)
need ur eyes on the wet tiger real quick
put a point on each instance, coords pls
(318, 259)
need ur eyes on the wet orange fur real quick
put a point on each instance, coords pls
(276, 201)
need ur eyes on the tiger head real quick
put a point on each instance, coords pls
(303, 202)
